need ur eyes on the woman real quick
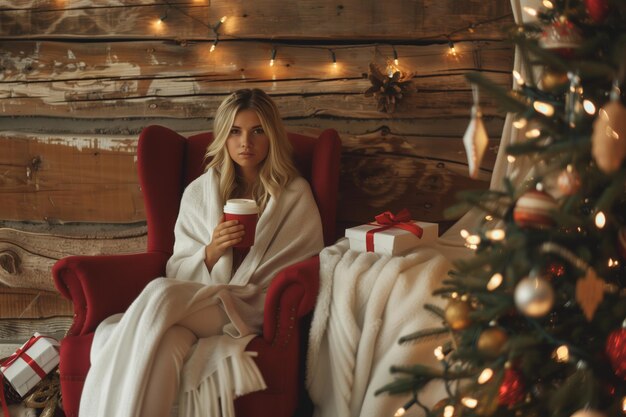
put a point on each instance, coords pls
(184, 338)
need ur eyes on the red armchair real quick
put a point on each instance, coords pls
(100, 286)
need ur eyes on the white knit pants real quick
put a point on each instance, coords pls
(164, 380)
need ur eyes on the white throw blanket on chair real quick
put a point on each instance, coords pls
(218, 370)
(366, 303)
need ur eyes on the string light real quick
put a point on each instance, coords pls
(485, 375)
(495, 281)
(464, 233)
(273, 58)
(533, 133)
(530, 11)
(624, 405)
(214, 45)
(561, 354)
(448, 411)
(395, 56)
(613, 263)
(544, 108)
(600, 220)
(589, 107)
(439, 353)
(520, 123)
(469, 402)
(548, 4)
(402, 410)
(518, 78)
(452, 49)
(510, 158)
(495, 234)
(219, 23)
(472, 240)
(333, 57)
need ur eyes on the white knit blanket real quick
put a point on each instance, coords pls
(366, 303)
(218, 370)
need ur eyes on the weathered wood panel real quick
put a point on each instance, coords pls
(69, 178)
(20, 330)
(68, 80)
(302, 19)
(20, 303)
(60, 178)
(26, 258)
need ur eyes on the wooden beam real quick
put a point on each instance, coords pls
(304, 19)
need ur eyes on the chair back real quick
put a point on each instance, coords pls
(167, 162)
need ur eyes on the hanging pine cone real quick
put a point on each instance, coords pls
(388, 90)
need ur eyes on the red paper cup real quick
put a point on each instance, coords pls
(247, 213)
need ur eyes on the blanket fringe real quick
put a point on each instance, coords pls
(237, 375)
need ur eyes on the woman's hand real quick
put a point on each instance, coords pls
(225, 235)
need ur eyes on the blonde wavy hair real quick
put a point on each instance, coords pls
(276, 170)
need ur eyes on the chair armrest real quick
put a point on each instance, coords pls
(100, 286)
(290, 296)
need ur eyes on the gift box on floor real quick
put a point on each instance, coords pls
(31, 363)
(392, 234)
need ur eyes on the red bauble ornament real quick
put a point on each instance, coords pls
(616, 351)
(512, 390)
(535, 209)
(562, 37)
(597, 10)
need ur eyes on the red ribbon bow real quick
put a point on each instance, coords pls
(20, 353)
(401, 220)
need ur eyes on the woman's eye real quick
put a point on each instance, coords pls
(234, 131)
(258, 131)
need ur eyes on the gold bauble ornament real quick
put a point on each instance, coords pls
(457, 314)
(554, 81)
(491, 341)
(608, 140)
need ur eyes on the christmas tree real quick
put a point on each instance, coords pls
(536, 316)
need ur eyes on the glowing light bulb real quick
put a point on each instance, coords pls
(561, 354)
(489, 217)
(448, 411)
(273, 57)
(464, 233)
(469, 402)
(548, 4)
(533, 133)
(544, 108)
(624, 405)
(400, 412)
(495, 281)
(472, 240)
(439, 353)
(496, 234)
(223, 19)
(510, 158)
(600, 220)
(213, 47)
(451, 49)
(395, 57)
(520, 123)
(530, 11)
(485, 375)
(589, 107)
(518, 78)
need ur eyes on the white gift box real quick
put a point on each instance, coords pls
(22, 375)
(394, 240)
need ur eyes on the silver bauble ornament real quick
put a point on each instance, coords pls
(534, 296)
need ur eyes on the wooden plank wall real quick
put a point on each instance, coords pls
(79, 80)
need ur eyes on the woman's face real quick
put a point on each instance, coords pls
(247, 143)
